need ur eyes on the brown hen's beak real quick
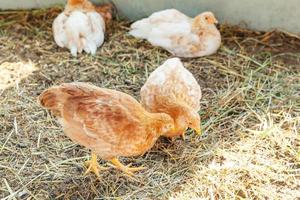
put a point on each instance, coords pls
(173, 129)
(198, 131)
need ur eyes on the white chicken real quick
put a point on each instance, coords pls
(173, 90)
(179, 34)
(79, 27)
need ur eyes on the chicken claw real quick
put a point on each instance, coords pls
(127, 169)
(93, 166)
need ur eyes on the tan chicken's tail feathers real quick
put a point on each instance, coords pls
(51, 100)
(77, 89)
(54, 98)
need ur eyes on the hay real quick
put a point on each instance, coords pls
(13, 73)
(250, 116)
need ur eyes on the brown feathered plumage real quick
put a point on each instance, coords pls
(108, 122)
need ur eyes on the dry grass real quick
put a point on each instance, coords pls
(250, 112)
(13, 73)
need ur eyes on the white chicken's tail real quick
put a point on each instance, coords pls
(75, 42)
(141, 29)
(76, 29)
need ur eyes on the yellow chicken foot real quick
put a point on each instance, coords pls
(93, 166)
(128, 170)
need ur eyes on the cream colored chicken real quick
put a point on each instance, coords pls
(110, 123)
(172, 89)
(80, 27)
(179, 34)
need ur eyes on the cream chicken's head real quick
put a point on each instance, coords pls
(184, 117)
(189, 119)
(194, 121)
(204, 19)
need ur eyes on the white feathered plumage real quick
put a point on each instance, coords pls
(172, 89)
(79, 27)
(179, 34)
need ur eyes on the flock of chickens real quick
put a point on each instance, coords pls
(112, 123)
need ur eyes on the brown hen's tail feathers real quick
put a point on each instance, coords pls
(54, 98)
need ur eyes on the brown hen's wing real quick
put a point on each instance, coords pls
(109, 122)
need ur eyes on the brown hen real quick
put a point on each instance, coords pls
(108, 122)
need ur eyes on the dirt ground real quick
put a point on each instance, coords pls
(250, 113)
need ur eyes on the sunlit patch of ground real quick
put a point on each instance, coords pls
(11, 73)
(264, 163)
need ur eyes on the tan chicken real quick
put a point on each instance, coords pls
(110, 123)
(172, 89)
(81, 26)
(179, 34)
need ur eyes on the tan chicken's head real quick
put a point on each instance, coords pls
(164, 123)
(205, 18)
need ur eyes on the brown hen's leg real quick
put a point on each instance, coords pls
(93, 166)
(128, 170)
(183, 135)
